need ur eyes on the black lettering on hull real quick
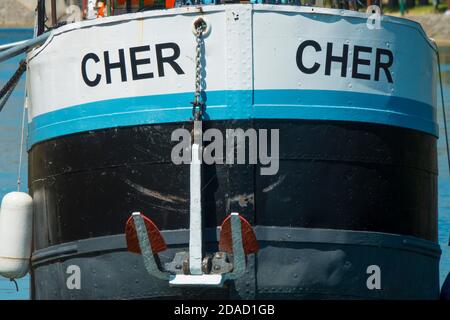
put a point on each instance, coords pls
(137, 59)
(340, 55)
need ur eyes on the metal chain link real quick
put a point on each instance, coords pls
(198, 104)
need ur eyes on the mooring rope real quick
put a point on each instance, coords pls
(5, 93)
(15, 283)
(443, 110)
(9, 87)
(22, 138)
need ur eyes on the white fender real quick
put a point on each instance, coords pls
(16, 221)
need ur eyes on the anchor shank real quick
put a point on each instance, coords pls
(195, 224)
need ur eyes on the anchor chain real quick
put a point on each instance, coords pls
(198, 104)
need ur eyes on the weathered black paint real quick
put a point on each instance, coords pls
(333, 175)
(307, 264)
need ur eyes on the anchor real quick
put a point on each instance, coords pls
(237, 240)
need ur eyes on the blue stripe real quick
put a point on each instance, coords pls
(225, 105)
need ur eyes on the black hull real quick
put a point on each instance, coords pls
(347, 195)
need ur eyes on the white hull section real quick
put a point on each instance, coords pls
(250, 48)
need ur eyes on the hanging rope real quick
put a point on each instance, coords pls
(22, 138)
(15, 283)
(443, 110)
(9, 87)
(5, 93)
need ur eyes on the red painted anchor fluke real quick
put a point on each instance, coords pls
(156, 240)
(249, 242)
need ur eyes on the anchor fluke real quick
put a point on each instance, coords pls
(237, 239)
(143, 237)
(156, 240)
(249, 242)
